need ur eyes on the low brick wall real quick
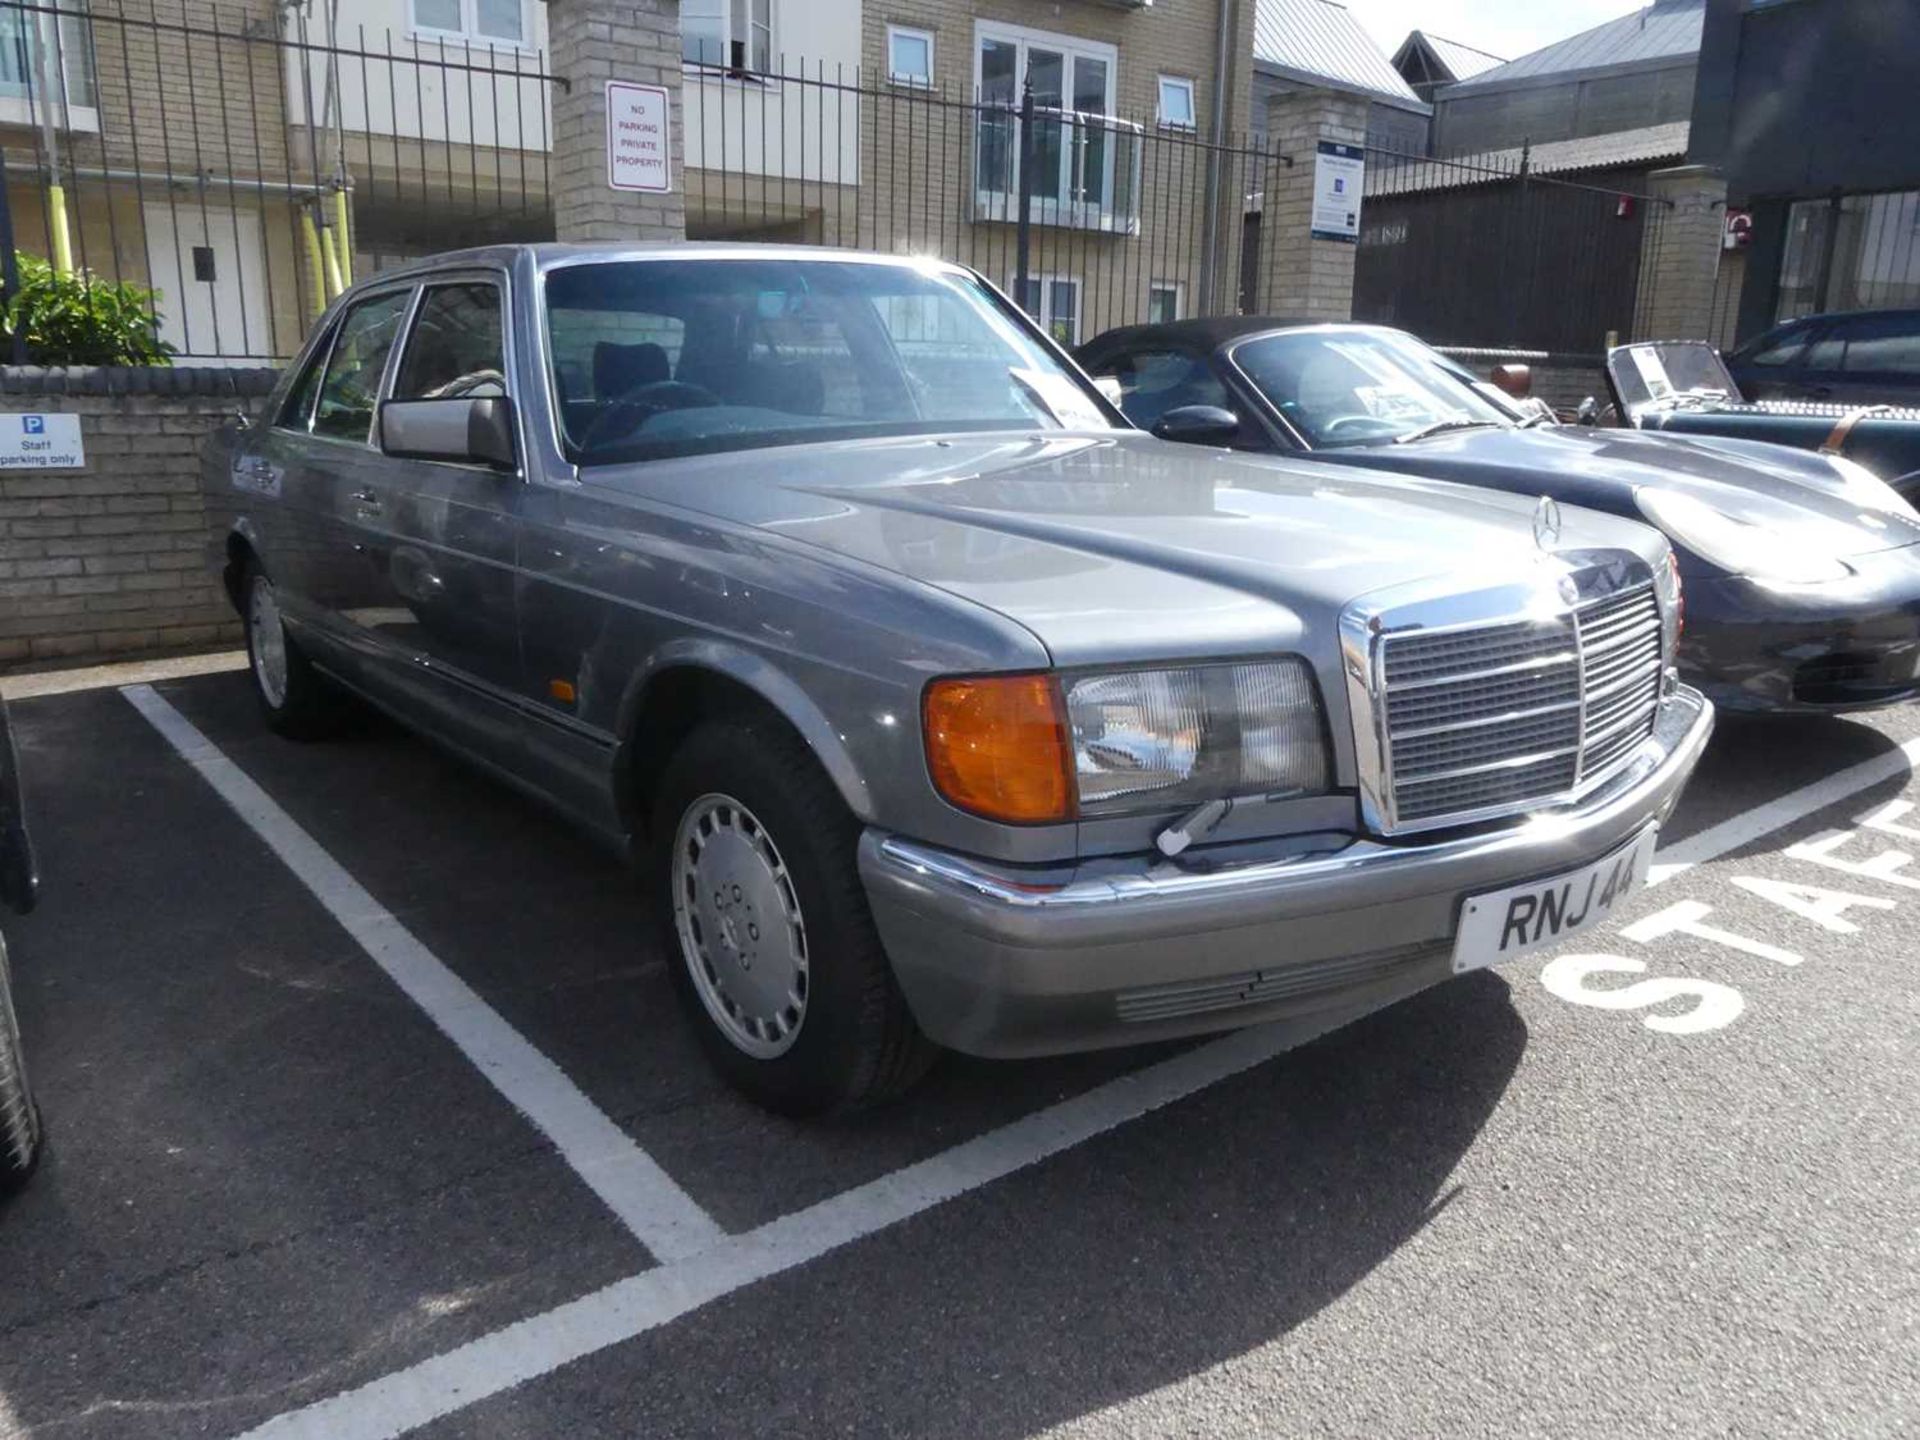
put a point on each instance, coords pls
(110, 561)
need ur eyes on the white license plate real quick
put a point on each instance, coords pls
(1508, 923)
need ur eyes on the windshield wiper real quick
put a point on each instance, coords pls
(1440, 427)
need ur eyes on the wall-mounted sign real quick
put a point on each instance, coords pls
(41, 442)
(638, 136)
(1739, 229)
(1339, 171)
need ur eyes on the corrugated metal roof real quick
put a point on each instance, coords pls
(1666, 30)
(1320, 40)
(1555, 157)
(1462, 61)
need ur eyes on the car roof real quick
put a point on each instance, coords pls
(547, 255)
(1207, 332)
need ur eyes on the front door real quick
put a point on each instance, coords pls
(447, 534)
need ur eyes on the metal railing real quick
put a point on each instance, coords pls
(1088, 220)
(244, 167)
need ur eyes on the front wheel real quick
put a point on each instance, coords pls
(296, 699)
(772, 947)
(19, 1116)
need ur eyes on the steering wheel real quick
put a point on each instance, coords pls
(1344, 422)
(631, 412)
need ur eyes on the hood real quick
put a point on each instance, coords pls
(1768, 485)
(1119, 546)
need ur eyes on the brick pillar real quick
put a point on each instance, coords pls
(592, 42)
(1680, 255)
(1300, 276)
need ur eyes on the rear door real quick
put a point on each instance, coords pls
(341, 482)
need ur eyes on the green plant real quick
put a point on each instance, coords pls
(80, 319)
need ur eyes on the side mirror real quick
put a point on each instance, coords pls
(1516, 380)
(1198, 425)
(468, 430)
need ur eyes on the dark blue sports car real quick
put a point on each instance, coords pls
(1802, 570)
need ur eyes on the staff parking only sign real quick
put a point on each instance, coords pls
(637, 138)
(41, 442)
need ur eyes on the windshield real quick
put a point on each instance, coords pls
(1362, 387)
(676, 357)
(1668, 373)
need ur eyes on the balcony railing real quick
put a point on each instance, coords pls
(1085, 169)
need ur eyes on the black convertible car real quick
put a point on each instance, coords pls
(1802, 570)
(19, 1118)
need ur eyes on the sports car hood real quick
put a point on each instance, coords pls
(1795, 491)
(1121, 546)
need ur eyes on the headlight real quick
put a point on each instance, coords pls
(1161, 739)
(1734, 544)
(1868, 490)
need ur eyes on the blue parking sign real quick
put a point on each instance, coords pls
(34, 424)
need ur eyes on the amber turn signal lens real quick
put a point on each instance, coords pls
(997, 746)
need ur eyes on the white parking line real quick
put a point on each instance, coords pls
(1755, 824)
(660, 1214)
(543, 1343)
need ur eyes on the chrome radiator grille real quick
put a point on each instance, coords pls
(1497, 717)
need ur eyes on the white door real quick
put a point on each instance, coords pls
(209, 267)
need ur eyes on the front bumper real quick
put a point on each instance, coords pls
(1816, 649)
(999, 961)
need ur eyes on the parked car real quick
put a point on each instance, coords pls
(1681, 387)
(940, 704)
(1862, 357)
(19, 883)
(1801, 571)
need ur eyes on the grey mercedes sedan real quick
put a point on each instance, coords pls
(937, 705)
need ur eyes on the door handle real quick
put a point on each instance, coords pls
(368, 498)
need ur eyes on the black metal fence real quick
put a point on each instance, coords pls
(244, 167)
(1476, 253)
(1088, 220)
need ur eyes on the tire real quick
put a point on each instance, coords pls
(20, 1133)
(753, 873)
(296, 699)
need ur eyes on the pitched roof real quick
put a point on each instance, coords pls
(1462, 61)
(1319, 41)
(1555, 157)
(1666, 32)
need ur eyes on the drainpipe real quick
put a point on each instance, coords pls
(1209, 241)
(56, 192)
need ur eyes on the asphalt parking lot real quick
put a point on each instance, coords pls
(371, 1114)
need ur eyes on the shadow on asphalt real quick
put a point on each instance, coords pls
(1123, 1266)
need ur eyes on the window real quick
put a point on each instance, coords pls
(1869, 345)
(480, 22)
(297, 413)
(1153, 382)
(1859, 252)
(728, 34)
(1176, 102)
(768, 352)
(1055, 302)
(1360, 387)
(1074, 141)
(909, 56)
(1783, 350)
(359, 359)
(455, 348)
(1164, 299)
